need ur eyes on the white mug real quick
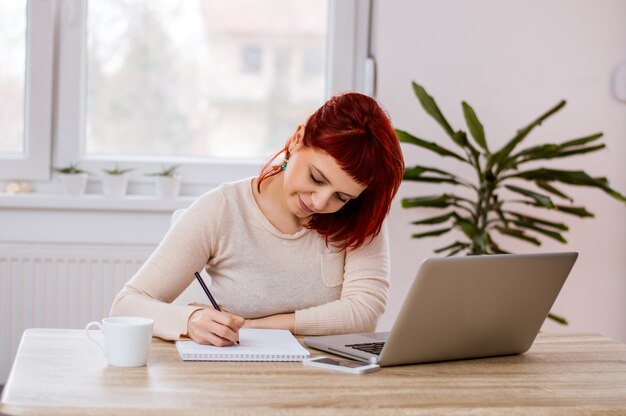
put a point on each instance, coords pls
(126, 338)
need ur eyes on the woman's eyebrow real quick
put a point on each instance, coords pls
(319, 172)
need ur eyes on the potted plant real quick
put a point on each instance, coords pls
(167, 182)
(496, 201)
(115, 181)
(73, 179)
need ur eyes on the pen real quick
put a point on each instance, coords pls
(208, 294)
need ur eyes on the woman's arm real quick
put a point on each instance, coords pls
(279, 321)
(363, 294)
(282, 321)
(184, 250)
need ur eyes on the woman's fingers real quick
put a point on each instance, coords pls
(234, 322)
(208, 326)
(223, 332)
(225, 318)
(217, 341)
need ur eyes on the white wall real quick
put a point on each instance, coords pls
(512, 61)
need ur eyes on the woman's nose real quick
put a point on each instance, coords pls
(320, 201)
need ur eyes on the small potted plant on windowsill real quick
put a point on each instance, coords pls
(73, 179)
(167, 182)
(115, 181)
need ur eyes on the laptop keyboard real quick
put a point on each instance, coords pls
(371, 347)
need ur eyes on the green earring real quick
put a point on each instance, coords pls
(284, 165)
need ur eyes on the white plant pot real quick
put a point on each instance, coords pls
(73, 184)
(115, 185)
(167, 186)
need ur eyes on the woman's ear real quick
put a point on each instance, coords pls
(296, 138)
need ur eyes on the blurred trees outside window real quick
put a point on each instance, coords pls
(201, 78)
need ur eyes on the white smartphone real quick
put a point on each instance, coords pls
(341, 364)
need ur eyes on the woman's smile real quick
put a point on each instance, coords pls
(304, 206)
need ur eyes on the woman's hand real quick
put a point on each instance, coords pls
(209, 326)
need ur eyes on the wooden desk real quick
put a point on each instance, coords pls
(61, 372)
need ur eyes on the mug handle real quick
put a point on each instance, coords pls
(99, 325)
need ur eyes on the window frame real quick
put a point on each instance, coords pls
(34, 162)
(347, 57)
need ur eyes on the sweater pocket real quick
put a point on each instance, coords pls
(333, 266)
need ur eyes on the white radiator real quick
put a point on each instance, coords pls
(58, 286)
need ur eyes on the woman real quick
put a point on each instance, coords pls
(300, 247)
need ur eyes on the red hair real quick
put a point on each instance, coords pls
(356, 132)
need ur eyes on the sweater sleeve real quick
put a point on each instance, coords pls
(184, 250)
(363, 294)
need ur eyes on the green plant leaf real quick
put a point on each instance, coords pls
(440, 201)
(528, 218)
(500, 215)
(519, 234)
(534, 151)
(481, 240)
(495, 248)
(551, 150)
(433, 201)
(475, 126)
(467, 226)
(531, 226)
(433, 233)
(418, 170)
(170, 171)
(454, 245)
(497, 158)
(415, 174)
(458, 250)
(571, 177)
(559, 153)
(405, 137)
(430, 106)
(582, 140)
(558, 319)
(549, 188)
(117, 170)
(71, 169)
(433, 179)
(542, 200)
(577, 211)
(435, 220)
(579, 151)
(460, 138)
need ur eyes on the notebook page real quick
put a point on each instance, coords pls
(255, 345)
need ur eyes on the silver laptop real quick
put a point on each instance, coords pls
(463, 307)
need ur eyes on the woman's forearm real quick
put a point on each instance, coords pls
(282, 321)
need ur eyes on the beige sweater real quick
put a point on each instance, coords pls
(257, 271)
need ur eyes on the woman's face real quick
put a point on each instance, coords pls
(314, 183)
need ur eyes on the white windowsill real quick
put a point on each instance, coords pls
(93, 202)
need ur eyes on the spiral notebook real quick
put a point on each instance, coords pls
(254, 345)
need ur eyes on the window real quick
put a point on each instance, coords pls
(214, 86)
(12, 75)
(188, 79)
(26, 88)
